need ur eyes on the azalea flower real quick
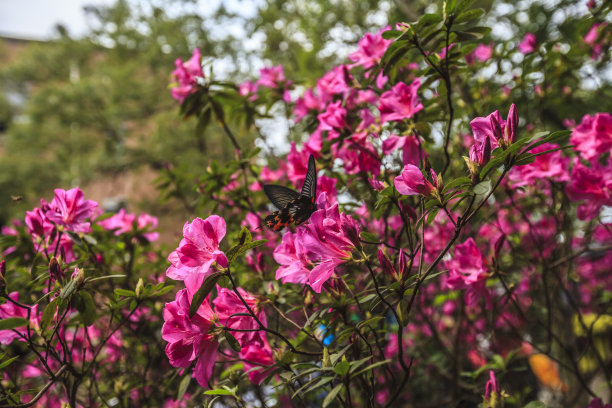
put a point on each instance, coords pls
(334, 83)
(227, 304)
(501, 133)
(257, 359)
(370, 49)
(552, 166)
(248, 89)
(401, 102)
(334, 117)
(327, 240)
(68, 208)
(292, 259)
(306, 104)
(468, 269)
(123, 222)
(186, 76)
(9, 310)
(594, 185)
(411, 148)
(529, 44)
(198, 251)
(272, 77)
(190, 339)
(412, 182)
(481, 53)
(593, 136)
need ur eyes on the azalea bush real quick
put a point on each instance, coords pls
(458, 253)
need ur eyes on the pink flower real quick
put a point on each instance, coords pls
(480, 153)
(248, 89)
(529, 44)
(334, 82)
(297, 165)
(591, 39)
(189, 339)
(198, 251)
(271, 77)
(492, 386)
(327, 239)
(482, 53)
(359, 155)
(257, 360)
(552, 166)
(597, 403)
(412, 182)
(411, 148)
(8, 310)
(227, 304)
(371, 48)
(334, 117)
(593, 136)
(401, 102)
(306, 104)
(500, 132)
(146, 221)
(186, 75)
(292, 259)
(468, 269)
(68, 208)
(593, 185)
(325, 243)
(38, 225)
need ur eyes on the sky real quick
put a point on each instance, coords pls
(37, 18)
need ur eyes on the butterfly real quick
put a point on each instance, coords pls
(293, 207)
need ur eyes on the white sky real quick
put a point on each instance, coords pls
(37, 18)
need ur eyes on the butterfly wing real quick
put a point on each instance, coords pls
(309, 188)
(279, 195)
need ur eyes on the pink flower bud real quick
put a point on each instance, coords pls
(386, 264)
(512, 123)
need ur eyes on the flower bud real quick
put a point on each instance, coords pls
(78, 275)
(496, 127)
(386, 264)
(55, 270)
(512, 124)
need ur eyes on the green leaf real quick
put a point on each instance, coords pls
(342, 367)
(125, 292)
(200, 295)
(87, 309)
(183, 387)
(429, 19)
(218, 392)
(535, 404)
(12, 322)
(231, 340)
(368, 236)
(370, 367)
(482, 188)
(332, 395)
(492, 164)
(74, 237)
(48, 313)
(458, 182)
(370, 321)
(8, 362)
(524, 158)
(472, 14)
(68, 290)
(432, 215)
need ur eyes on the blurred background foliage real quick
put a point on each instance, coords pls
(95, 111)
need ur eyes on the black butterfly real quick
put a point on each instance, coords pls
(293, 207)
